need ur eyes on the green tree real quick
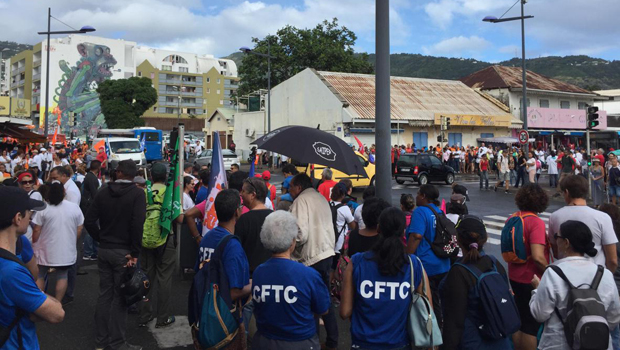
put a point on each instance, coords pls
(327, 47)
(123, 101)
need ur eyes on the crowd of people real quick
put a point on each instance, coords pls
(308, 254)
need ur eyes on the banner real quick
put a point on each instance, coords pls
(171, 207)
(217, 182)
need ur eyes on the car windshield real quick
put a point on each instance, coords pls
(407, 159)
(125, 146)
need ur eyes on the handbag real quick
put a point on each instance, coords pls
(421, 323)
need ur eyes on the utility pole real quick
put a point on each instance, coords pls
(383, 182)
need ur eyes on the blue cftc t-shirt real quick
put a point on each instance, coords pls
(18, 290)
(234, 259)
(286, 296)
(381, 304)
(423, 222)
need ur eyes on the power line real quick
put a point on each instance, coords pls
(63, 23)
(513, 5)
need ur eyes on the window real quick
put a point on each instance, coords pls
(582, 105)
(218, 80)
(221, 102)
(208, 90)
(175, 59)
(435, 161)
(152, 136)
(218, 92)
(208, 80)
(521, 102)
(152, 75)
(565, 104)
(139, 73)
(183, 69)
(154, 109)
(166, 68)
(544, 103)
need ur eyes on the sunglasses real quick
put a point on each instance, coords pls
(249, 182)
(27, 182)
(556, 236)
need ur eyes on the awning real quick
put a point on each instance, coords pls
(502, 140)
(18, 132)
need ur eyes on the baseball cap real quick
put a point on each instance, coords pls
(15, 200)
(158, 169)
(266, 175)
(460, 189)
(139, 180)
(471, 223)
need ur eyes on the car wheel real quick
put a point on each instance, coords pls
(372, 181)
(400, 182)
(422, 180)
(450, 178)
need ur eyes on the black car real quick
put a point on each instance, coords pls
(422, 168)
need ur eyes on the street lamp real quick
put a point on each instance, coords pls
(83, 30)
(522, 18)
(249, 51)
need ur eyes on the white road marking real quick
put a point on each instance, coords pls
(495, 224)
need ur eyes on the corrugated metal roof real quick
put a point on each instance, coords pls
(495, 77)
(412, 99)
(610, 93)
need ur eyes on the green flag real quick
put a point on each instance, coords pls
(171, 207)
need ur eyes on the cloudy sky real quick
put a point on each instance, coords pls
(451, 28)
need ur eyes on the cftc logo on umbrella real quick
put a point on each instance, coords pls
(324, 151)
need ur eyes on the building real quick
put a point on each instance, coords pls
(222, 122)
(344, 104)
(556, 110)
(611, 104)
(189, 86)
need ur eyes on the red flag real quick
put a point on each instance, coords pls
(98, 145)
(54, 138)
(360, 144)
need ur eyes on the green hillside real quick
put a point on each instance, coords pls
(12, 48)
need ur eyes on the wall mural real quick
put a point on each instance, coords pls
(77, 89)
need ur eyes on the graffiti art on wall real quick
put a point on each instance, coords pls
(77, 89)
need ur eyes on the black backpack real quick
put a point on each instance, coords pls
(334, 208)
(585, 326)
(444, 245)
(5, 332)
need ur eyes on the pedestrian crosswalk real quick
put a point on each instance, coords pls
(495, 224)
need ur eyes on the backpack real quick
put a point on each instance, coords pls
(334, 208)
(151, 237)
(444, 245)
(513, 242)
(585, 326)
(212, 314)
(343, 261)
(538, 164)
(500, 316)
(5, 332)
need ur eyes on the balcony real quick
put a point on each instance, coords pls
(168, 103)
(184, 93)
(36, 77)
(191, 83)
(36, 63)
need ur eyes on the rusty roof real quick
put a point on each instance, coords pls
(412, 99)
(495, 77)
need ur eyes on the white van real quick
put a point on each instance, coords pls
(122, 148)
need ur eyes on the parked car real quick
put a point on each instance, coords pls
(358, 181)
(422, 168)
(229, 156)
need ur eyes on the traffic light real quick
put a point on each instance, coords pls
(447, 123)
(592, 117)
(72, 120)
(442, 121)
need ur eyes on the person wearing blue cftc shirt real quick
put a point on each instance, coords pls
(377, 286)
(286, 294)
(21, 301)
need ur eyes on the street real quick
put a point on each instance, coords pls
(77, 331)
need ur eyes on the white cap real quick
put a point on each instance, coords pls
(43, 149)
(32, 163)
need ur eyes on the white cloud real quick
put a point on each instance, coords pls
(459, 46)
(443, 12)
(187, 25)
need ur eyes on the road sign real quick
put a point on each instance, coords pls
(523, 137)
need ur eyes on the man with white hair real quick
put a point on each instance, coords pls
(286, 294)
(325, 188)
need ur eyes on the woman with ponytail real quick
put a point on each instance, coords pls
(377, 286)
(460, 302)
(549, 298)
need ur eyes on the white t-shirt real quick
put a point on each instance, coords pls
(482, 151)
(599, 223)
(503, 160)
(532, 165)
(57, 243)
(198, 149)
(344, 217)
(541, 155)
(72, 194)
(34, 195)
(188, 202)
(552, 165)
(268, 203)
(357, 216)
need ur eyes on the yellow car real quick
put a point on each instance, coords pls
(358, 181)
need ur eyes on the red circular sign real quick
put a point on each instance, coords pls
(523, 137)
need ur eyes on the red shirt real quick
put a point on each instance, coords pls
(102, 158)
(484, 164)
(326, 188)
(272, 189)
(534, 233)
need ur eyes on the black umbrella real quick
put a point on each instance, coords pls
(313, 146)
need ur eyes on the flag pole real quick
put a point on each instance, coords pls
(181, 157)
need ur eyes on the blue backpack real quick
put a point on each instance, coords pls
(212, 314)
(500, 316)
(513, 242)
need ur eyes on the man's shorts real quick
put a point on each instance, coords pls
(614, 191)
(504, 176)
(62, 272)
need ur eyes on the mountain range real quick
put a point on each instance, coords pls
(586, 72)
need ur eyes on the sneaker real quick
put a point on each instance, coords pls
(495, 188)
(166, 323)
(506, 192)
(86, 257)
(92, 258)
(144, 324)
(66, 300)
